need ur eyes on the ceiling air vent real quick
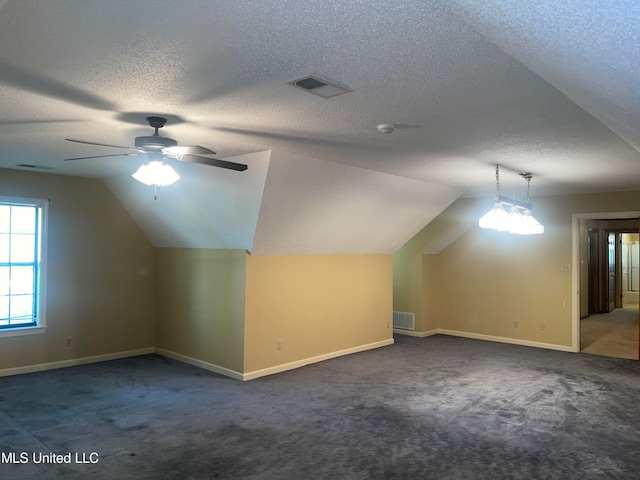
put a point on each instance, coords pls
(318, 86)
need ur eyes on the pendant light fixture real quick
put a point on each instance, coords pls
(510, 215)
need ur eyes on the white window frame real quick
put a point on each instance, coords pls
(41, 325)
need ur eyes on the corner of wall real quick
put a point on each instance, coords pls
(200, 305)
(415, 263)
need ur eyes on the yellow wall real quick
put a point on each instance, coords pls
(100, 273)
(486, 280)
(315, 304)
(430, 291)
(200, 296)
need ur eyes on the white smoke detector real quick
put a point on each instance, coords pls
(386, 128)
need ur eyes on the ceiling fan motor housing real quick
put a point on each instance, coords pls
(155, 142)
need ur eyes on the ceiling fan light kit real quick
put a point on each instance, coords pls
(156, 173)
(386, 128)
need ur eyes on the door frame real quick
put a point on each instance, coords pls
(575, 260)
(610, 300)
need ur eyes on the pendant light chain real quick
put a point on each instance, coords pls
(498, 180)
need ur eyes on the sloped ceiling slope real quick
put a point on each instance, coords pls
(588, 50)
(206, 208)
(546, 87)
(342, 209)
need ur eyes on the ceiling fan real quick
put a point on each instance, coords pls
(158, 147)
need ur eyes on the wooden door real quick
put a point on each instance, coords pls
(611, 271)
(593, 269)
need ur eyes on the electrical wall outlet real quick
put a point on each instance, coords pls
(515, 323)
(542, 326)
(279, 344)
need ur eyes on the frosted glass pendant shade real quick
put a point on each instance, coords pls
(495, 219)
(527, 225)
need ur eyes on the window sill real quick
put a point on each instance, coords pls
(16, 332)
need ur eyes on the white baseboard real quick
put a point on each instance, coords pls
(192, 361)
(74, 362)
(412, 333)
(212, 367)
(319, 358)
(277, 368)
(513, 341)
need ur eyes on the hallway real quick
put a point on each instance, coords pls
(612, 334)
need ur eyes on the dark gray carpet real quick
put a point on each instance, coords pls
(432, 408)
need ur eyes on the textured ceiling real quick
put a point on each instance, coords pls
(549, 87)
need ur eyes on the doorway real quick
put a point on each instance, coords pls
(609, 277)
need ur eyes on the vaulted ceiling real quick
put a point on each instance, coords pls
(549, 87)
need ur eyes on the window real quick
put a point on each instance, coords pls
(22, 265)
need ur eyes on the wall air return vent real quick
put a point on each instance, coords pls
(404, 320)
(318, 86)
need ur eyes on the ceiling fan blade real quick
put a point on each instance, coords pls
(240, 167)
(100, 144)
(42, 85)
(35, 122)
(103, 156)
(188, 150)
